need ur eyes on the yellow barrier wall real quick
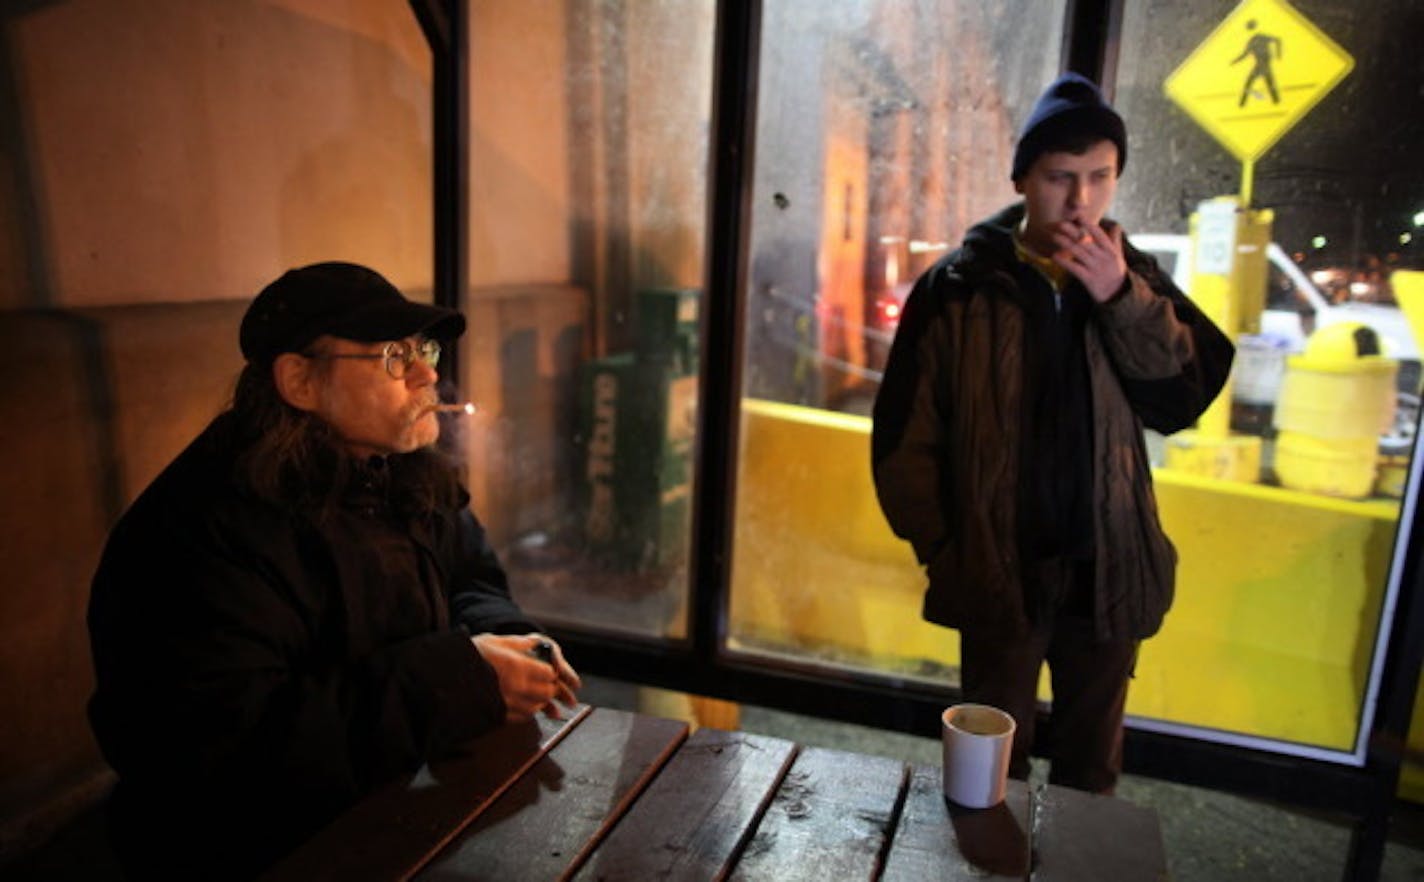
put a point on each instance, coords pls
(1277, 601)
(816, 568)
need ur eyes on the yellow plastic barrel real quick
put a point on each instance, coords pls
(1336, 398)
(1342, 467)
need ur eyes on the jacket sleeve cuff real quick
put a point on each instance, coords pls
(1129, 302)
(1121, 289)
(467, 701)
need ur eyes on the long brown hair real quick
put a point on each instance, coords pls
(292, 458)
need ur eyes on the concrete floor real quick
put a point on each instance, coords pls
(1209, 836)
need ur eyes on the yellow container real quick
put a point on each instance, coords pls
(1332, 466)
(1234, 458)
(1393, 475)
(1340, 387)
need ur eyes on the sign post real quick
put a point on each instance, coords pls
(1253, 78)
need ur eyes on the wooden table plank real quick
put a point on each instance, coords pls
(553, 816)
(830, 820)
(694, 819)
(391, 833)
(1081, 835)
(933, 841)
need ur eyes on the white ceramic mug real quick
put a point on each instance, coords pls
(978, 740)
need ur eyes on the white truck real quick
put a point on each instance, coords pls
(1295, 307)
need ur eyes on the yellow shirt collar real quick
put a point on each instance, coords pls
(1056, 275)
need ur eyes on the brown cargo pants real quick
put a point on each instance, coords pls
(1083, 739)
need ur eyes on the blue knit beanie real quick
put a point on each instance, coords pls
(1072, 105)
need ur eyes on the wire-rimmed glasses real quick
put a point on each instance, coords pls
(397, 356)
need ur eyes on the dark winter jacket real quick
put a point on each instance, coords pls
(260, 668)
(948, 452)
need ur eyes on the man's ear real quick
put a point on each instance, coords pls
(296, 381)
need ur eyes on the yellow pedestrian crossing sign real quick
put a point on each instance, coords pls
(1262, 69)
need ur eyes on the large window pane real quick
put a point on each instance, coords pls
(1285, 567)
(875, 152)
(885, 130)
(588, 165)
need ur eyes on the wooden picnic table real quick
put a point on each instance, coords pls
(612, 795)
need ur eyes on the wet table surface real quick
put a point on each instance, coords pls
(611, 795)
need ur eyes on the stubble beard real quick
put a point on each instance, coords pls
(413, 415)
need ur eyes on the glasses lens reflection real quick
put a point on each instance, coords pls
(401, 355)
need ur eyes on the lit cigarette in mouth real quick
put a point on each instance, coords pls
(468, 408)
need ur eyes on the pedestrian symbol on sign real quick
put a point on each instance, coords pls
(1263, 48)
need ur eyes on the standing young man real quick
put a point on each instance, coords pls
(1008, 446)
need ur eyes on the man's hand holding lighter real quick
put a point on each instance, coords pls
(533, 675)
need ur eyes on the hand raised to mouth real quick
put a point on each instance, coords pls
(1093, 254)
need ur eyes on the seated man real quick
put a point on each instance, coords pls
(302, 606)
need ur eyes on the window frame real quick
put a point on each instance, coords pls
(1362, 788)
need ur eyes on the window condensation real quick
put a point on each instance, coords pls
(885, 129)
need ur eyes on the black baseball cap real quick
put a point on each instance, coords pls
(344, 300)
